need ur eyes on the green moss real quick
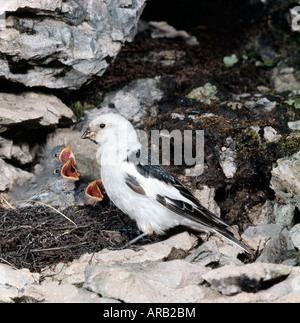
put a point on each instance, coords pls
(291, 145)
(206, 93)
(249, 143)
(78, 108)
(230, 61)
(293, 101)
(235, 105)
(217, 123)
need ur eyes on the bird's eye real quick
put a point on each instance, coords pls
(102, 125)
(56, 171)
(55, 155)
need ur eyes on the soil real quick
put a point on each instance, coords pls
(38, 236)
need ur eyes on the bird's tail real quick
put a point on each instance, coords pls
(225, 233)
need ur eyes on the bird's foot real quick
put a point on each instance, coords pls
(126, 246)
(129, 245)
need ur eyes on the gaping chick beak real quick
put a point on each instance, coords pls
(69, 171)
(67, 154)
(89, 134)
(96, 190)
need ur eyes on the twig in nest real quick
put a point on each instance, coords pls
(58, 248)
(53, 208)
(6, 202)
(14, 267)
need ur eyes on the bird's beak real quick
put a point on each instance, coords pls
(95, 190)
(88, 134)
(69, 171)
(66, 155)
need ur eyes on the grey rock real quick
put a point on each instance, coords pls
(172, 281)
(161, 29)
(73, 273)
(294, 125)
(23, 284)
(273, 212)
(11, 176)
(134, 100)
(262, 213)
(33, 110)
(179, 116)
(285, 79)
(12, 281)
(288, 257)
(258, 236)
(286, 291)
(207, 254)
(270, 239)
(230, 280)
(263, 103)
(285, 179)
(57, 292)
(64, 44)
(294, 236)
(274, 248)
(227, 158)
(22, 152)
(206, 195)
(270, 134)
(284, 214)
(145, 276)
(13, 5)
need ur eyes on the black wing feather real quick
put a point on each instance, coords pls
(205, 220)
(161, 173)
(133, 183)
(194, 212)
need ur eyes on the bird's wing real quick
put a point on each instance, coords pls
(157, 183)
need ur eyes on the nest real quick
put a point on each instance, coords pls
(38, 236)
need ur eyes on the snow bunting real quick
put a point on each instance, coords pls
(148, 193)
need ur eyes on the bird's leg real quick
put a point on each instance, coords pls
(129, 244)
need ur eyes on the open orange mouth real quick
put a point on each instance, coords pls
(66, 155)
(96, 190)
(69, 171)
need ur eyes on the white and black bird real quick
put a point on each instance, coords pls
(149, 194)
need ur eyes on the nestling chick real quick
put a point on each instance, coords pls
(52, 186)
(89, 194)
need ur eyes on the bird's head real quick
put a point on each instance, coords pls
(112, 130)
(67, 154)
(95, 192)
(69, 171)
